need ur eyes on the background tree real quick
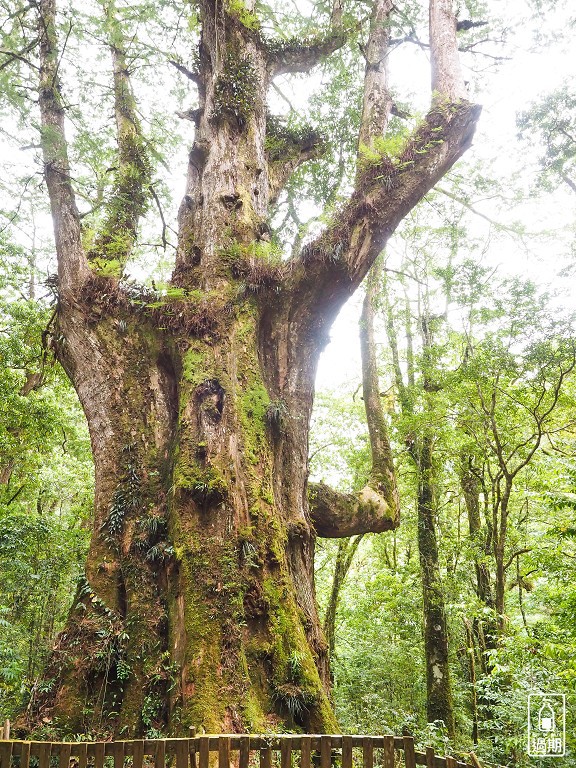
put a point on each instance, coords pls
(551, 122)
(518, 374)
(416, 396)
(492, 670)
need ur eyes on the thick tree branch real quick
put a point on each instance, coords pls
(294, 56)
(133, 175)
(72, 264)
(336, 514)
(333, 265)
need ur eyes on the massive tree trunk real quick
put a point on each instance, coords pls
(198, 606)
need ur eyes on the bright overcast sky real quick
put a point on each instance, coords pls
(532, 72)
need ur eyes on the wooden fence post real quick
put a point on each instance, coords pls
(265, 757)
(5, 754)
(389, 752)
(367, 752)
(244, 752)
(409, 754)
(6, 730)
(306, 753)
(204, 752)
(285, 752)
(325, 752)
(223, 752)
(347, 752)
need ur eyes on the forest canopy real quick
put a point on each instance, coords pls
(191, 532)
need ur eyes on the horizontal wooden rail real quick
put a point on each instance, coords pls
(275, 751)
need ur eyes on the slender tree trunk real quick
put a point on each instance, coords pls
(470, 485)
(484, 627)
(439, 688)
(346, 550)
(499, 548)
(483, 634)
(471, 655)
(439, 704)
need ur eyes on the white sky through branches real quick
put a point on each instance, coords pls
(533, 70)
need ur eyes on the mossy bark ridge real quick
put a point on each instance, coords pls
(198, 605)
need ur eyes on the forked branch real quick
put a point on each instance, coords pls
(389, 187)
(338, 260)
(293, 56)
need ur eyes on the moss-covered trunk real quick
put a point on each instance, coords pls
(439, 704)
(198, 606)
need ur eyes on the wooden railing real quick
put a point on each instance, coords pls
(274, 751)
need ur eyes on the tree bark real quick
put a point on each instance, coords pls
(481, 540)
(346, 550)
(198, 606)
(420, 444)
(439, 705)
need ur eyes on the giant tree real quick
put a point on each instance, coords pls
(198, 605)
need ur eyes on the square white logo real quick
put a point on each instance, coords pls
(547, 725)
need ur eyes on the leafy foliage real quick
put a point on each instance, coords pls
(551, 123)
(496, 386)
(46, 486)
